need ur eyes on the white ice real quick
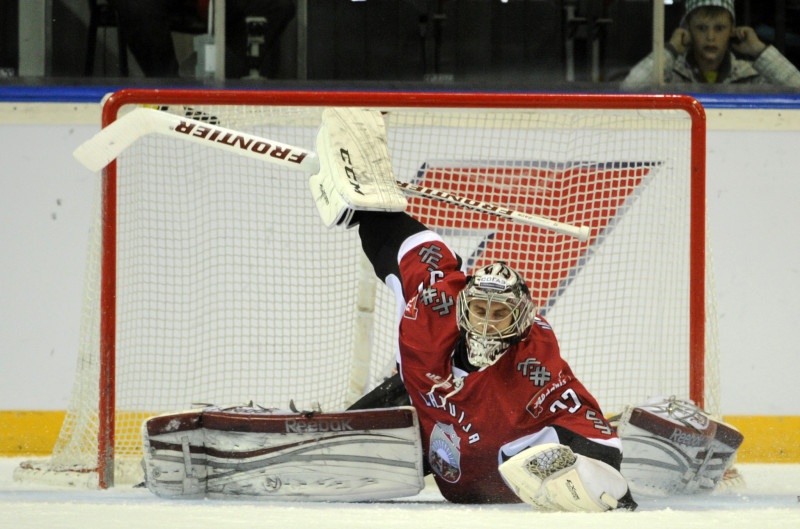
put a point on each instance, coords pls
(768, 499)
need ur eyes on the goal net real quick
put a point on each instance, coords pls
(211, 279)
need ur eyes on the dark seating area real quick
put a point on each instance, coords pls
(483, 42)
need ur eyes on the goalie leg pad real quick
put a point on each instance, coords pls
(671, 446)
(355, 167)
(251, 452)
(174, 458)
(550, 477)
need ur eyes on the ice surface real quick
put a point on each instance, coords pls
(769, 499)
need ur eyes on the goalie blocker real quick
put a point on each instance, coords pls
(252, 452)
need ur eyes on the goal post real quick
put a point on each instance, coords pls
(211, 279)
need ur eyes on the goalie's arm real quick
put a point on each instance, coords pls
(382, 235)
(393, 241)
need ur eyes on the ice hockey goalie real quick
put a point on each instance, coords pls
(671, 446)
(252, 452)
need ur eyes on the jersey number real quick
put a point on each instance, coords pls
(569, 401)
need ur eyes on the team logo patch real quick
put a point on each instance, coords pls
(534, 371)
(430, 255)
(439, 302)
(444, 454)
(535, 406)
(411, 308)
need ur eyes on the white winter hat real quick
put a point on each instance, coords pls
(691, 5)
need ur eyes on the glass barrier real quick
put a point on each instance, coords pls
(522, 45)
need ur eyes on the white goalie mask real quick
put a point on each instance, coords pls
(494, 312)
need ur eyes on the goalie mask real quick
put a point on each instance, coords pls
(494, 312)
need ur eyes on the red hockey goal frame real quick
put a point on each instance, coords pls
(106, 434)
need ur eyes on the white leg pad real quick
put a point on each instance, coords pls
(673, 447)
(551, 478)
(249, 452)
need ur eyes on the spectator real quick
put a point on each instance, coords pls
(709, 48)
(148, 26)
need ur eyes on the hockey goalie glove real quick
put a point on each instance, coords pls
(550, 477)
(671, 446)
(355, 167)
(255, 453)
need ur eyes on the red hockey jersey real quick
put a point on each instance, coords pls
(467, 418)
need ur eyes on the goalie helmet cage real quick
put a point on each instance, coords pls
(211, 279)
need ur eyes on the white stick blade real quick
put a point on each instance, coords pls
(102, 148)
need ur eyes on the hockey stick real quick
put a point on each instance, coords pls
(111, 141)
